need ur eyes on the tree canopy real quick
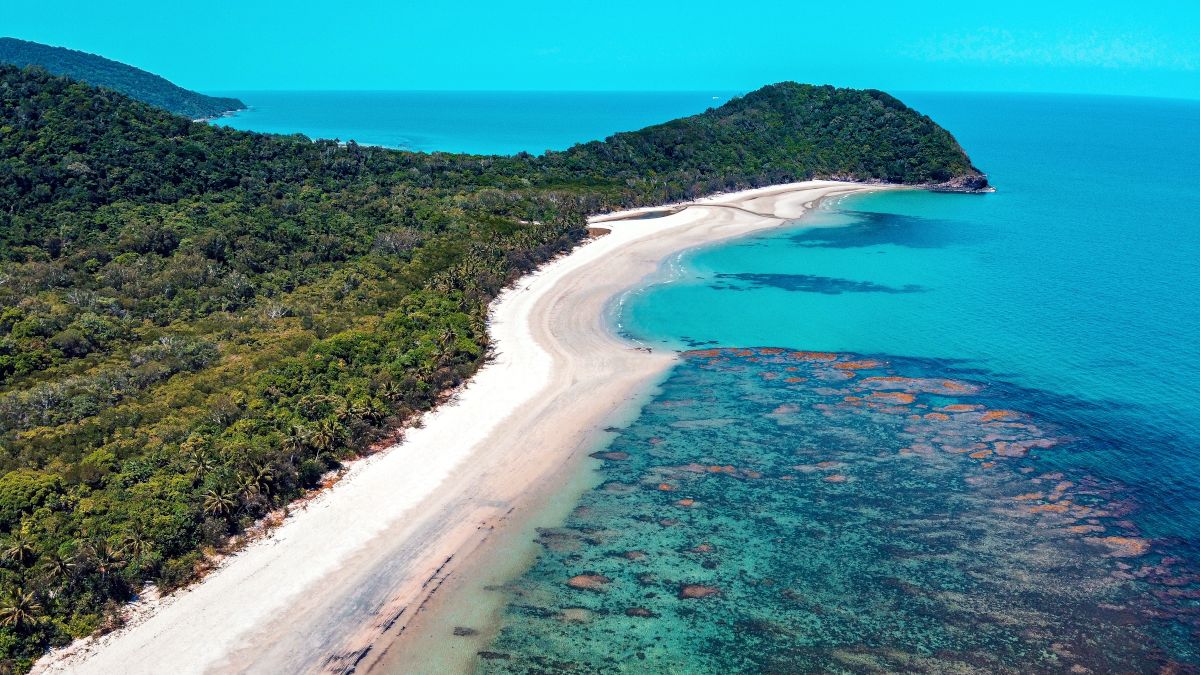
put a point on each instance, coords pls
(196, 323)
(102, 72)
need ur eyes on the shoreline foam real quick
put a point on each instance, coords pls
(351, 569)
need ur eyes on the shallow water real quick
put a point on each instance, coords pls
(1076, 278)
(841, 535)
(787, 511)
(840, 526)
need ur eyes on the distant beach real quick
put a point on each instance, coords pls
(348, 573)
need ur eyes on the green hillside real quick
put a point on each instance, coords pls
(102, 72)
(197, 322)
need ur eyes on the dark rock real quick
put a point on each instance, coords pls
(696, 591)
(589, 582)
(614, 456)
(975, 183)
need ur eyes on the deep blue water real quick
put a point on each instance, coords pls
(780, 512)
(501, 123)
(1052, 520)
(1078, 277)
(990, 463)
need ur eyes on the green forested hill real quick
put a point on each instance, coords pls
(781, 133)
(197, 322)
(102, 72)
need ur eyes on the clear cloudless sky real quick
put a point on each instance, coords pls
(1102, 46)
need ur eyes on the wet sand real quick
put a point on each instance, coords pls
(342, 583)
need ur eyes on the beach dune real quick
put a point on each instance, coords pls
(345, 575)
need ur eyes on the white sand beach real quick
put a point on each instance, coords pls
(350, 569)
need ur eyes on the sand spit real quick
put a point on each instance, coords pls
(350, 569)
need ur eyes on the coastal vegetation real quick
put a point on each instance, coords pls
(102, 72)
(197, 323)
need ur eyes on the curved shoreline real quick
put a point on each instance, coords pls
(353, 568)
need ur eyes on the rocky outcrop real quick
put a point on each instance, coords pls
(589, 582)
(973, 183)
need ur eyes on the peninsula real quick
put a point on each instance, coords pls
(199, 326)
(352, 580)
(101, 72)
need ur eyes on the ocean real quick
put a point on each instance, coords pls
(501, 123)
(910, 431)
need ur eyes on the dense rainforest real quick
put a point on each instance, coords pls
(197, 323)
(102, 72)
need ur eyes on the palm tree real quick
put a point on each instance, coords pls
(20, 549)
(105, 559)
(135, 543)
(348, 410)
(201, 463)
(199, 459)
(445, 339)
(295, 441)
(55, 568)
(425, 369)
(324, 436)
(257, 480)
(391, 391)
(445, 344)
(374, 409)
(220, 502)
(19, 609)
(442, 282)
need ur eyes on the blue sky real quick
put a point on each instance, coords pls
(1104, 47)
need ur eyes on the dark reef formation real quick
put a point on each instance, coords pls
(785, 511)
(197, 323)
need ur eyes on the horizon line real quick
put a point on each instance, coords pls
(733, 92)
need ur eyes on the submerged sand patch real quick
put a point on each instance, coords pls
(360, 561)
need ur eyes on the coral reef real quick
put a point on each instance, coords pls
(812, 511)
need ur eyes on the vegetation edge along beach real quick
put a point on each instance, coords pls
(430, 515)
(199, 323)
(604, 381)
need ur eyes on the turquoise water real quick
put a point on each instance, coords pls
(985, 461)
(1078, 277)
(775, 511)
(476, 122)
(1006, 482)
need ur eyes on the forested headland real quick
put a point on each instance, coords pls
(197, 323)
(102, 72)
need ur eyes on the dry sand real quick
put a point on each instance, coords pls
(350, 569)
